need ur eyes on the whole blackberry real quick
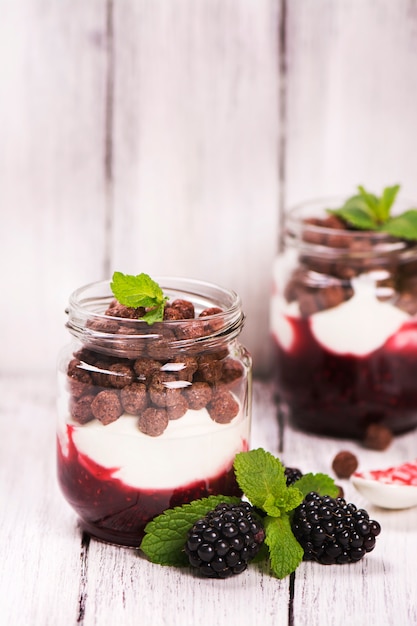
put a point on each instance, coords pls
(292, 474)
(332, 531)
(222, 543)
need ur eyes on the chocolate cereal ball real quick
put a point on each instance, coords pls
(209, 368)
(115, 309)
(184, 367)
(198, 395)
(378, 437)
(79, 380)
(153, 421)
(121, 375)
(81, 409)
(223, 407)
(163, 390)
(178, 410)
(211, 325)
(344, 464)
(106, 406)
(232, 370)
(185, 308)
(134, 398)
(146, 368)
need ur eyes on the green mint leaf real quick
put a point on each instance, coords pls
(371, 201)
(323, 484)
(403, 226)
(387, 200)
(136, 291)
(261, 477)
(276, 506)
(285, 552)
(166, 534)
(357, 213)
(156, 314)
(293, 497)
(366, 211)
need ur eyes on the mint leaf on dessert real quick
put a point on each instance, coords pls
(139, 291)
(387, 200)
(166, 534)
(155, 314)
(367, 211)
(356, 213)
(261, 477)
(403, 226)
(323, 484)
(285, 552)
(370, 199)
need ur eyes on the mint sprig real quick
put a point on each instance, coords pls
(139, 291)
(367, 211)
(285, 553)
(166, 534)
(261, 476)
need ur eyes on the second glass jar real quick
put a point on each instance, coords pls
(344, 326)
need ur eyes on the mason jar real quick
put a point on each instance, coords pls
(344, 326)
(150, 416)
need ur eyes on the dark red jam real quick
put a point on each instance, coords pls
(340, 395)
(114, 512)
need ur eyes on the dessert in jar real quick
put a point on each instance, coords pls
(150, 413)
(344, 318)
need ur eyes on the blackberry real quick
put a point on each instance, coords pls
(292, 474)
(333, 531)
(222, 543)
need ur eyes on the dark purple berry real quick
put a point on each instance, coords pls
(330, 530)
(292, 474)
(223, 542)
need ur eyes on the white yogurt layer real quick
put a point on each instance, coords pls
(357, 327)
(360, 325)
(192, 448)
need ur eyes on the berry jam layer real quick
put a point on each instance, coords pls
(115, 512)
(341, 394)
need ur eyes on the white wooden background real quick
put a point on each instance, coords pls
(168, 136)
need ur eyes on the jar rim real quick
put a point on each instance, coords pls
(89, 302)
(295, 226)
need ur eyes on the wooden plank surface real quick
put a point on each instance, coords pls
(351, 97)
(52, 187)
(50, 577)
(40, 557)
(380, 588)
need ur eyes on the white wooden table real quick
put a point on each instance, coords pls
(51, 575)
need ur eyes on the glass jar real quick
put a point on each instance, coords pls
(150, 416)
(344, 326)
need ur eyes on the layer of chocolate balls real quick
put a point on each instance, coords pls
(156, 382)
(341, 253)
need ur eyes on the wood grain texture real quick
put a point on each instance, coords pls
(385, 577)
(52, 192)
(39, 577)
(49, 577)
(351, 97)
(195, 146)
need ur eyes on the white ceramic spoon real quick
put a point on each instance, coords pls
(391, 488)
